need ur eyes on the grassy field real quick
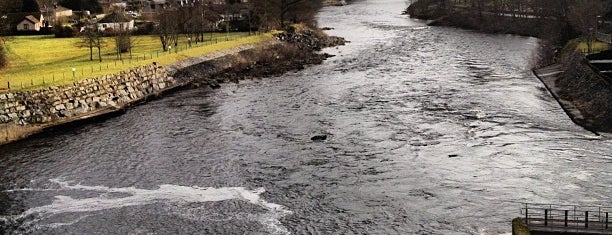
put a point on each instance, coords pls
(597, 47)
(40, 61)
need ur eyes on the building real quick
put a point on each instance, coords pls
(116, 21)
(30, 23)
(56, 13)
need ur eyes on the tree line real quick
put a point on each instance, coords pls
(580, 17)
(177, 18)
(195, 17)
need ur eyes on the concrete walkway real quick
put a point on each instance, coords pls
(548, 76)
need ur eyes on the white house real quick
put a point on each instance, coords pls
(56, 13)
(116, 21)
(30, 23)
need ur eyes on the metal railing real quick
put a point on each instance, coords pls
(570, 218)
(602, 37)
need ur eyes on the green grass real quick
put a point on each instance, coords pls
(42, 61)
(597, 46)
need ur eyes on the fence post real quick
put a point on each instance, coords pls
(566, 212)
(606, 220)
(586, 219)
(545, 217)
(526, 214)
(8, 84)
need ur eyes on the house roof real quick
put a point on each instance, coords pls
(32, 19)
(115, 18)
(16, 18)
(61, 8)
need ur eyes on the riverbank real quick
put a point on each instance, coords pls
(25, 113)
(582, 92)
(334, 2)
(554, 32)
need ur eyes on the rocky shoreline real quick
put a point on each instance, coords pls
(295, 51)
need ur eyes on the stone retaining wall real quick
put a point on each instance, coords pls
(54, 103)
(24, 113)
(587, 89)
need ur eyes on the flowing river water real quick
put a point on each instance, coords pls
(430, 130)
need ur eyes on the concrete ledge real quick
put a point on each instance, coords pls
(519, 227)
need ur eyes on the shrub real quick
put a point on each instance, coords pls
(3, 58)
(146, 28)
(63, 32)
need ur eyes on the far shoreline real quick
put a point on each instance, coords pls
(584, 93)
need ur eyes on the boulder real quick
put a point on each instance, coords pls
(319, 138)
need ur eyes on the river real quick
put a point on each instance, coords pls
(430, 130)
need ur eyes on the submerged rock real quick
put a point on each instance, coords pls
(319, 138)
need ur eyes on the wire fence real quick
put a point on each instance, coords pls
(110, 64)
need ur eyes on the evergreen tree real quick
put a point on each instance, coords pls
(30, 6)
(82, 5)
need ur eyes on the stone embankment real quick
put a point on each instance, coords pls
(48, 105)
(24, 113)
(583, 92)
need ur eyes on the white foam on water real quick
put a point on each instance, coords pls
(165, 193)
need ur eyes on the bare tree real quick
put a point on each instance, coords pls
(168, 26)
(5, 29)
(583, 18)
(92, 38)
(279, 12)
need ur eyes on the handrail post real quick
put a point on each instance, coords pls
(586, 219)
(526, 214)
(545, 217)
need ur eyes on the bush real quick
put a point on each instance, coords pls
(123, 42)
(3, 58)
(63, 32)
(146, 28)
